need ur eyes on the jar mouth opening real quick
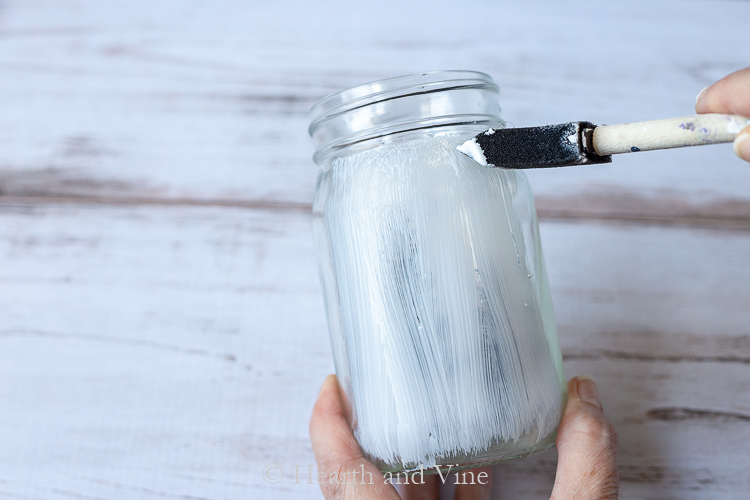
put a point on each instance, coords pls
(385, 107)
(393, 88)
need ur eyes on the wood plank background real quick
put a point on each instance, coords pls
(162, 331)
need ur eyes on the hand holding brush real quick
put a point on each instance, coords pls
(731, 95)
(723, 117)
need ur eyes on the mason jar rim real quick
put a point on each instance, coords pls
(400, 104)
(389, 88)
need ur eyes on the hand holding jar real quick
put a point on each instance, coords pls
(586, 446)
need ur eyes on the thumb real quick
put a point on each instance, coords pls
(586, 447)
(343, 471)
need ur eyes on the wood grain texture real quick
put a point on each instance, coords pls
(209, 102)
(162, 332)
(186, 367)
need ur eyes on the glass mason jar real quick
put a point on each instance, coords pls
(435, 288)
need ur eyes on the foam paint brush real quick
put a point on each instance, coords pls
(582, 143)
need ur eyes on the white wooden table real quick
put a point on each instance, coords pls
(162, 332)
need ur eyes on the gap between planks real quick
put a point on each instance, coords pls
(577, 209)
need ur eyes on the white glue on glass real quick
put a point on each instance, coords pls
(443, 338)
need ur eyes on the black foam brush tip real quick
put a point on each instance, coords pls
(533, 147)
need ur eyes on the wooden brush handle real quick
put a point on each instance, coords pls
(666, 134)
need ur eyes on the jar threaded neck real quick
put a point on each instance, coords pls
(402, 104)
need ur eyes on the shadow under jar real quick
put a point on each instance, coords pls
(435, 288)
